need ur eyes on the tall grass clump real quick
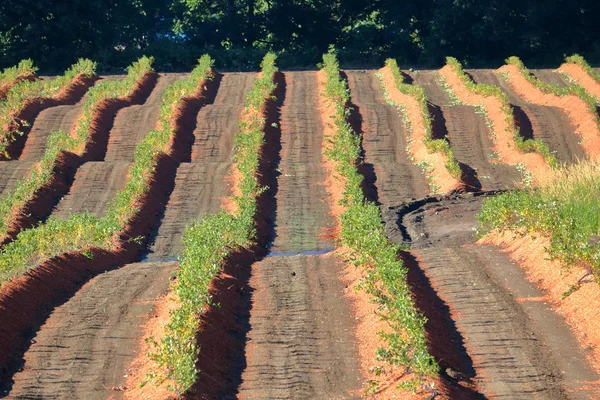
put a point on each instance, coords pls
(10, 124)
(363, 232)
(80, 231)
(208, 242)
(550, 88)
(60, 142)
(10, 75)
(418, 93)
(566, 207)
(522, 145)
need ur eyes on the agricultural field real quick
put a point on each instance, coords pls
(300, 234)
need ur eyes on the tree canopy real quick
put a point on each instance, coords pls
(237, 32)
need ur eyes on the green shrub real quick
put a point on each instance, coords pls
(522, 145)
(364, 233)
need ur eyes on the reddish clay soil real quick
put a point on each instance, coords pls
(200, 184)
(581, 77)
(518, 346)
(550, 124)
(4, 89)
(386, 167)
(302, 215)
(468, 136)
(550, 76)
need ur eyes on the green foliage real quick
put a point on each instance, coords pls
(521, 144)
(58, 236)
(363, 232)
(59, 142)
(10, 124)
(579, 60)
(418, 93)
(550, 88)
(567, 208)
(23, 69)
(208, 242)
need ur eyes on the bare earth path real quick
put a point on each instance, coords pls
(301, 339)
(384, 142)
(550, 124)
(468, 136)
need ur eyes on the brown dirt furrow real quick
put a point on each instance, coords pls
(95, 184)
(386, 166)
(302, 216)
(550, 76)
(550, 124)
(200, 184)
(468, 135)
(301, 341)
(11, 172)
(84, 348)
(519, 346)
(134, 122)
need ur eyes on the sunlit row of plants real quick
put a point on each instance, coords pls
(363, 232)
(83, 230)
(209, 241)
(76, 142)
(20, 93)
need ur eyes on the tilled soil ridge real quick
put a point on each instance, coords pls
(84, 348)
(302, 220)
(519, 347)
(301, 341)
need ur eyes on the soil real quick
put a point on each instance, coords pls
(468, 136)
(301, 341)
(96, 184)
(134, 122)
(386, 166)
(11, 172)
(302, 215)
(579, 75)
(200, 184)
(550, 76)
(85, 347)
(519, 346)
(550, 124)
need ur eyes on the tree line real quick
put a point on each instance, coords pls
(418, 33)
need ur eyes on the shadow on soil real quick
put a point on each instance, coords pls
(222, 338)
